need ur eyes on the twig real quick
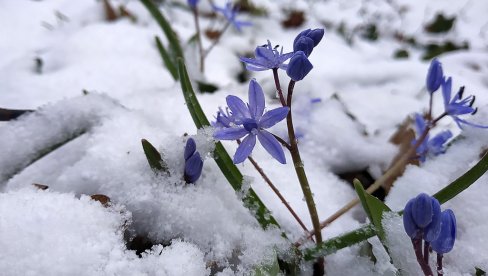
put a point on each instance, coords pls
(275, 190)
(216, 41)
(199, 38)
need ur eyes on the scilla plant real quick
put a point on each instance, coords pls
(249, 122)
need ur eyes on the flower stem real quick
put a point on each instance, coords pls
(302, 177)
(283, 142)
(199, 39)
(426, 251)
(417, 246)
(440, 271)
(278, 86)
(398, 166)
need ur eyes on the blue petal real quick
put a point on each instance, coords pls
(316, 35)
(431, 232)
(419, 123)
(190, 148)
(233, 133)
(434, 76)
(445, 242)
(272, 146)
(422, 210)
(193, 168)
(245, 148)
(460, 121)
(256, 99)
(238, 107)
(408, 223)
(446, 91)
(272, 117)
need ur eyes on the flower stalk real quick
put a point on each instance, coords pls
(301, 175)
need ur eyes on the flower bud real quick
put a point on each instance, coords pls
(434, 76)
(299, 66)
(304, 44)
(193, 168)
(445, 242)
(190, 148)
(422, 216)
(316, 35)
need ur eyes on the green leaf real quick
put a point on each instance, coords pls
(271, 269)
(174, 43)
(167, 59)
(440, 24)
(333, 245)
(367, 231)
(221, 157)
(463, 182)
(154, 158)
(374, 208)
(479, 272)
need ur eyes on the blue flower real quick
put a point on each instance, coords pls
(249, 120)
(192, 3)
(267, 57)
(433, 146)
(193, 162)
(434, 76)
(230, 13)
(422, 218)
(445, 242)
(457, 105)
(299, 66)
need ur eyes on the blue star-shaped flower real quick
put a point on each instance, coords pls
(266, 58)
(433, 146)
(230, 13)
(249, 120)
(457, 105)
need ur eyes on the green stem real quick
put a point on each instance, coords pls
(300, 171)
(199, 39)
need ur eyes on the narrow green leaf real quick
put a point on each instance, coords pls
(167, 59)
(174, 43)
(10, 114)
(154, 158)
(374, 208)
(463, 182)
(456, 187)
(333, 245)
(221, 157)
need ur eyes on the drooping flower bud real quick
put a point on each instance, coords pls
(304, 44)
(434, 76)
(445, 241)
(316, 35)
(299, 66)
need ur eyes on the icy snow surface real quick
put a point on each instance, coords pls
(204, 227)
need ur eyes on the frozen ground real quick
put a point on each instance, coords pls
(131, 96)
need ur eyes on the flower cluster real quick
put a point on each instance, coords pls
(230, 13)
(250, 121)
(193, 162)
(453, 106)
(423, 220)
(435, 145)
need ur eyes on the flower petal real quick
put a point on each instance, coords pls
(272, 146)
(230, 133)
(190, 148)
(256, 100)
(272, 117)
(245, 148)
(238, 107)
(446, 90)
(193, 168)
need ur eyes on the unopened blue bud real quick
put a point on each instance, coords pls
(434, 76)
(422, 215)
(299, 66)
(193, 168)
(304, 44)
(445, 241)
(316, 35)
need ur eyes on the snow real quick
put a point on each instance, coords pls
(131, 96)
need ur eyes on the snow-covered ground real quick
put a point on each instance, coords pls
(204, 228)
